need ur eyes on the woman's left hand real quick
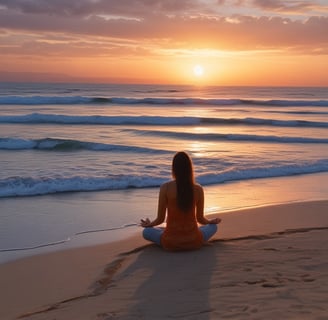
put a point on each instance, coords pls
(145, 223)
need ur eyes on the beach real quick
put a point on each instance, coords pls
(42, 224)
(119, 115)
(81, 164)
(268, 262)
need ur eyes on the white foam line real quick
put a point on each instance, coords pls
(108, 229)
(36, 247)
(67, 239)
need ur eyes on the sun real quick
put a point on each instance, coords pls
(198, 70)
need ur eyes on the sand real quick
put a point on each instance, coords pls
(264, 263)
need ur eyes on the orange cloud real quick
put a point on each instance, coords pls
(135, 37)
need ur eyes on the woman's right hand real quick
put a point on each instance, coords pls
(215, 221)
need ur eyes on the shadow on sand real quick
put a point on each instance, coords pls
(171, 285)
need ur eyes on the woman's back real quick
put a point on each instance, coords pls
(182, 231)
(181, 202)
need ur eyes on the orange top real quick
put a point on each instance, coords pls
(181, 232)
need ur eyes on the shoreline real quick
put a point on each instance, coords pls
(65, 278)
(63, 218)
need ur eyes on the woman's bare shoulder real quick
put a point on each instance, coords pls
(198, 189)
(168, 184)
(197, 186)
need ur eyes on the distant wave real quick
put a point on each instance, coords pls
(228, 136)
(63, 100)
(294, 112)
(66, 145)
(30, 186)
(34, 118)
(95, 119)
(267, 122)
(159, 91)
(69, 145)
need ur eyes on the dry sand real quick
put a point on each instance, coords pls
(264, 263)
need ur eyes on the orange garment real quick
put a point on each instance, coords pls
(181, 232)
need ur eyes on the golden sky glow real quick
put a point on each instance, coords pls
(237, 42)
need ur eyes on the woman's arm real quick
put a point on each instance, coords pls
(161, 210)
(200, 208)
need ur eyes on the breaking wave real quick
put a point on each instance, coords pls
(35, 118)
(227, 136)
(30, 186)
(54, 144)
(63, 100)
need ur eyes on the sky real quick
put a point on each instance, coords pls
(212, 42)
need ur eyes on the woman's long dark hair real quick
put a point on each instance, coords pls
(182, 171)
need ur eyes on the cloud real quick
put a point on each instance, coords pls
(109, 7)
(290, 6)
(144, 27)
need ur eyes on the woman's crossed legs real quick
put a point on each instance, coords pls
(154, 234)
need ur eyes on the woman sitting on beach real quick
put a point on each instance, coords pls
(183, 199)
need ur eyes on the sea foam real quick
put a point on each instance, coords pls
(30, 186)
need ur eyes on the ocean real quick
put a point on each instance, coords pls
(87, 159)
